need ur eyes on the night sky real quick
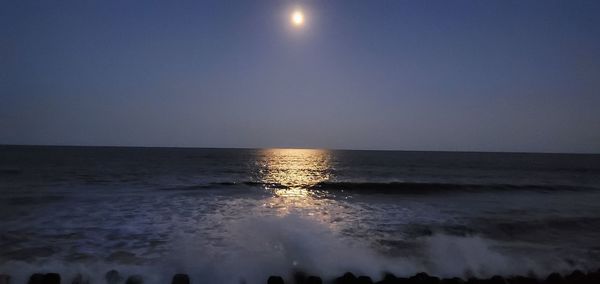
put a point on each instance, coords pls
(371, 74)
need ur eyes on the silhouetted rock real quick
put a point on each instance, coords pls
(347, 278)
(555, 278)
(473, 280)
(134, 279)
(113, 277)
(594, 277)
(52, 278)
(4, 279)
(314, 280)
(80, 279)
(454, 280)
(36, 278)
(390, 278)
(364, 280)
(423, 278)
(496, 279)
(275, 280)
(522, 280)
(577, 277)
(180, 279)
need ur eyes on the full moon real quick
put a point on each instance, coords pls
(297, 18)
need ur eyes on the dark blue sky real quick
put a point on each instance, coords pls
(370, 74)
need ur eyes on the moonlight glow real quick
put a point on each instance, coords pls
(297, 18)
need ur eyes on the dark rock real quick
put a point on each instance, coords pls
(180, 279)
(36, 278)
(577, 277)
(347, 278)
(522, 280)
(314, 280)
(496, 279)
(364, 280)
(389, 278)
(423, 278)
(454, 280)
(113, 277)
(275, 280)
(4, 279)
(474, 280)
(555, 278)
(594, 277)
(420, 276)
(52, 278)
(134, 279)
(80, 279)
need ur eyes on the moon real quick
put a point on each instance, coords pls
(297, 18)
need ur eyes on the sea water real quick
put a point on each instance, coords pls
(240, 215)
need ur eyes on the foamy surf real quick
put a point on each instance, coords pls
(258, 247)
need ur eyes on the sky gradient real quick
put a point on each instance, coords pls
(371, 74)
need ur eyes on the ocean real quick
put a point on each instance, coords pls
(240, 215)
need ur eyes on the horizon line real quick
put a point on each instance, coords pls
(297, 148)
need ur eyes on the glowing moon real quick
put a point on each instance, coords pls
(297, 18)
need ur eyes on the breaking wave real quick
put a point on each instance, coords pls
(282, 245)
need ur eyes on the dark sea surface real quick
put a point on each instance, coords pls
(232, 214)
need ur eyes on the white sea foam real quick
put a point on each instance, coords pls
(256, 247)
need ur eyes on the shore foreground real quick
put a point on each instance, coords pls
(114, 277)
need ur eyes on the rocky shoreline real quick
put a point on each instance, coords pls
(114, 277)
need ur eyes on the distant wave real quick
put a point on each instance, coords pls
(429, 187)
(390, 187)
